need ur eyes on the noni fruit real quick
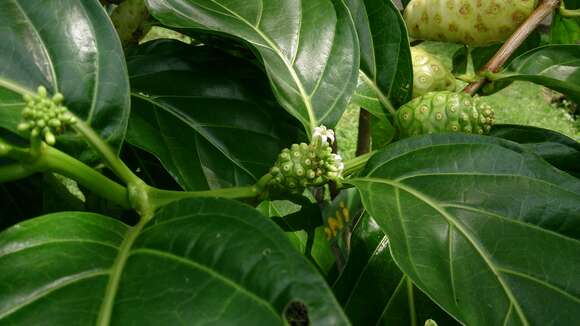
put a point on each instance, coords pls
(429, 74)
(444, 112)
(471, 22)
(303, 165)
(44, 116)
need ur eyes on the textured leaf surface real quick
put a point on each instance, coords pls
(554, 66)
(374, 291)
(198, 261)
(308, 48)
(70, 47)
(210, 118)
(486, 228)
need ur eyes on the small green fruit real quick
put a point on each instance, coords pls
(471, 22)
(45, 116)
(303, 165)
(444, 112)
(429, 74)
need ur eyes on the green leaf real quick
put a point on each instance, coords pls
(303, 227)
(210, 118)
(483, 226)
(565, 30)
(554, 66)
(197, 261)
(67, 46)
(374, 291)
(386, 67)
(559, 150)
(280, 209)
(309, 49)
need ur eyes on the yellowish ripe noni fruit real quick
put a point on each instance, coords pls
(471, 22)
(429, 74)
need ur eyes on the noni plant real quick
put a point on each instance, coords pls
(197, 179)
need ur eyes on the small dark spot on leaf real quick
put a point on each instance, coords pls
(296, 314)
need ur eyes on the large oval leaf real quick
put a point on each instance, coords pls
(554, 66)
(198, 261)
(487, 229)
(67, 46)
(374, 291)
(309, 49)
(386, 66)
(210, 118)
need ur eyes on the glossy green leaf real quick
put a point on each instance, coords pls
(303, 226)
(210, 118)
(196, 262)
(374, 291)
(386, 67)
(486, 228)
(559, 150)
(554, 66)
(309, 47)
(67, 46)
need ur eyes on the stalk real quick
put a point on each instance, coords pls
(110, 158)
(159, 197)
(513, 43)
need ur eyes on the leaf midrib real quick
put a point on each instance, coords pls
(106, 310)
(195, 127)
(205, 269)
(306, 99)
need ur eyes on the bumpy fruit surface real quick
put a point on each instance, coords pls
(45, 116)
(471, 22)
(429, 74)
(304, 165)
(445, 112)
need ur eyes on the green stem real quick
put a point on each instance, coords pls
(356, 163)
(111, 159)
(411, 300)
(159, 197)
(13, 172)
(56, 161)
(44, 158)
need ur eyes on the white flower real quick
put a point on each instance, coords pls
(323, 134)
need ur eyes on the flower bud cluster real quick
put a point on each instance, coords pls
(45, 116)
(304, 165)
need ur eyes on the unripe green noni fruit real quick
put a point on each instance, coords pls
(429, 74)
(444, 112)
(45, 116)
(304, 165)
(471, 22)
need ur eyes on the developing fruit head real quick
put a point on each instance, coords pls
(45, 116)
